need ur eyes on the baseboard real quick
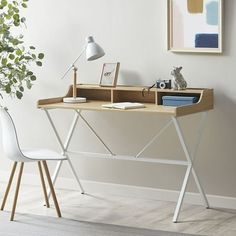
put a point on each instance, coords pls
(130, 191)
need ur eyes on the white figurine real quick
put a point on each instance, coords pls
(179, 81)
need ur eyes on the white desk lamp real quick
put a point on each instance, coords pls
(93, 52)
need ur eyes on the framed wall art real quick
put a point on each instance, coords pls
(109, 74)
(195, 26)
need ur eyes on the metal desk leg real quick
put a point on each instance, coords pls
(190, 158)
(64, 149)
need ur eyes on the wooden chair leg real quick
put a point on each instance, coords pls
(51, 188)
(9, 185)
(17, 191)
(43, 185)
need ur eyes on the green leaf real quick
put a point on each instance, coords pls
(19, 94)
(40, 56)
(4, 3)
(12, 56)
(32, 47)
(23, 19)
(39, 63)
(16, 10)
(24, 5)
(29, 73)
(15, 80)
(15, 41)
(23, 67)
(16, 60)
(11, 49)
(28, 58)
(16, 17)
(10, 6)
(16, 23)
(8, 88)
(21, 89)
(18, 52)
(28, 84)
(33, 77)
(4, 61)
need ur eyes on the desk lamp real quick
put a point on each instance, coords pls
(93, 51)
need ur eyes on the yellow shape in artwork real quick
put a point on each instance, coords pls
(195, 6)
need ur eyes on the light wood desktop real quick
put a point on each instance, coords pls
(98, 96)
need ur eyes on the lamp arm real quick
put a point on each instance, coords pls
(73, 64)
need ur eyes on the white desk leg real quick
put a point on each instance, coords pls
(200, 189)
(160, 132)
(95, 133)
(64, 149)
(190, 168)
(182, 193)
(54, 177)
(75, 175)
(195, 176)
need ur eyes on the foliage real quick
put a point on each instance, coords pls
(15, 58)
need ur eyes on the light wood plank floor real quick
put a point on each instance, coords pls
(134, 212)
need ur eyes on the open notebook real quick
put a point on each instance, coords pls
(124, 105)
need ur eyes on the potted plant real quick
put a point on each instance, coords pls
(15, 58)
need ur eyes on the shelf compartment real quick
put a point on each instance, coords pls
(133, 96)
(95, 94)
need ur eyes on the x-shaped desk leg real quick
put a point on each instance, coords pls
(190, 158)
(65, 146)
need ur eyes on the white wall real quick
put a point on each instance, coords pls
(134, 33)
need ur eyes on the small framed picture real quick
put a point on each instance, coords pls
(109, 75)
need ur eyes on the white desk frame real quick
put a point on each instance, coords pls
(189, 163)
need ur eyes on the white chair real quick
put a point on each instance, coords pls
(13, 152)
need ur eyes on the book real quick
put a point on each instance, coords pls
(124, 105)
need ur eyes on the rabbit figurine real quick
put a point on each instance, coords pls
(178, 79)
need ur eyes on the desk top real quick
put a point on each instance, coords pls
(97, 96)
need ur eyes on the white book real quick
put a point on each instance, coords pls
(124, 105)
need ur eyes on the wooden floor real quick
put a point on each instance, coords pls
(118, 210)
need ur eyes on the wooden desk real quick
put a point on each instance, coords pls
(97, 96)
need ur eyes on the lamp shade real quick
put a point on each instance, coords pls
(93, 50)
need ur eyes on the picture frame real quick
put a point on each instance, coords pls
(195, 26)
(109, 76)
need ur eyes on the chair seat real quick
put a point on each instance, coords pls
(42, 155)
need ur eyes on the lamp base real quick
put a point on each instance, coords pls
(74, 100)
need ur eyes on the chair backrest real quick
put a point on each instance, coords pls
(9, 137)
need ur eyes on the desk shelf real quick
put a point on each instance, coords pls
(97, 96)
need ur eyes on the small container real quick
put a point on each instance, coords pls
(177, 101)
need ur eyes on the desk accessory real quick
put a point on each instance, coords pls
(177, 101)
(93, 52)
(109, 74)
(124, 105)
(179, 81)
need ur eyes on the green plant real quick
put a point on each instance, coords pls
(15, 58)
